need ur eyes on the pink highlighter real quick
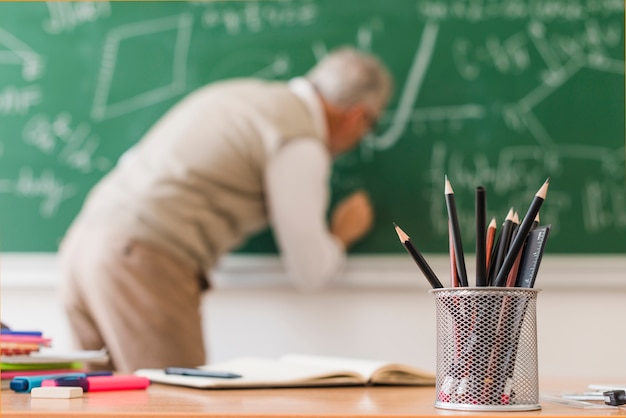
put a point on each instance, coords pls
(101, 383)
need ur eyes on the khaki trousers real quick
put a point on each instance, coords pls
(135, 300)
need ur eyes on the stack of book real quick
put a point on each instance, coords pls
(21, 342)
(29, 353)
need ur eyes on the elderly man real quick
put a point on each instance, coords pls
(219, 166)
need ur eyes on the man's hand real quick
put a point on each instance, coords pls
(352, 218)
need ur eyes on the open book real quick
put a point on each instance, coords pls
(298, 371)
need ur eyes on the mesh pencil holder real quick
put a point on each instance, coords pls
(486, 349)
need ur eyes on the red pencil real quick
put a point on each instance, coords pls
(491, 237)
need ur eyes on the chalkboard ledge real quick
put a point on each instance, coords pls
(39, 271)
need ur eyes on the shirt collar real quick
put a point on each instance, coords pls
(305, 91)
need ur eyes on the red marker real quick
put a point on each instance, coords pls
(101, 383)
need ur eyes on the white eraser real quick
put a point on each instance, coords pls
(57, 392)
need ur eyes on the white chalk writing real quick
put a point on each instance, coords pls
(13, 51)
(74, 146)
(52, 190)
(255, 17)
(66, 16)
(19, 100)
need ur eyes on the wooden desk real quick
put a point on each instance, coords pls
(169, 401)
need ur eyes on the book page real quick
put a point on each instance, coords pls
(256, 369)
(257, 373)
(402, 374)
(364, 368)
(373, 371)
(297, 371)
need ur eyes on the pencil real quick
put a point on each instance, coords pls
(454, 277)
(417, 257)
(523, 231)
(502, 244)
(535, 222)
(512, 277)
(491, 236)
(456, 234)
(481, 259)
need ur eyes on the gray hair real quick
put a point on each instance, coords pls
(346, 77)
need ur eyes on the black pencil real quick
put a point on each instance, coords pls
(454, 278)
(456, 234)
(417, 257)
(481, 259)
(522, 233)
(535, 222)
(501, 246)
(512, 277)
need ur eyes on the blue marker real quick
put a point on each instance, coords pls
(24, 384)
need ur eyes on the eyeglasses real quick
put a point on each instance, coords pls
(371, 120)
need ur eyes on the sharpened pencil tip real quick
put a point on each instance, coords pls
(448, 187)
(395, 225)
(401, 234)
(543, 191)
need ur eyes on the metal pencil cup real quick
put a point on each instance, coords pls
(486, 349)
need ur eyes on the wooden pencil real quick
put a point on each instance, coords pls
(480, 214)
(454, 277)
(524, 229)
(418, 258)
(535, 222)
(512, 277)
(456, 234)
(501, 246)
(491, 237)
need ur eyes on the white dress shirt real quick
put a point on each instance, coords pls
(297, 184)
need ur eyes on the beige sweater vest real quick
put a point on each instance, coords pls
(194, 185)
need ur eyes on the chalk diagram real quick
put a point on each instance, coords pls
(520, 112)
(270, 65)
(15, 52)
(176, 27)
(409, 119)
(602, 203)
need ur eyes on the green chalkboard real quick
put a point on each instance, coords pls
(499, 93)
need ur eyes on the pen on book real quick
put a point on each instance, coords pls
(481, 258)
(456, 234)
(524, 229)
(183, 371)
(418, 258)
(100, 383)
